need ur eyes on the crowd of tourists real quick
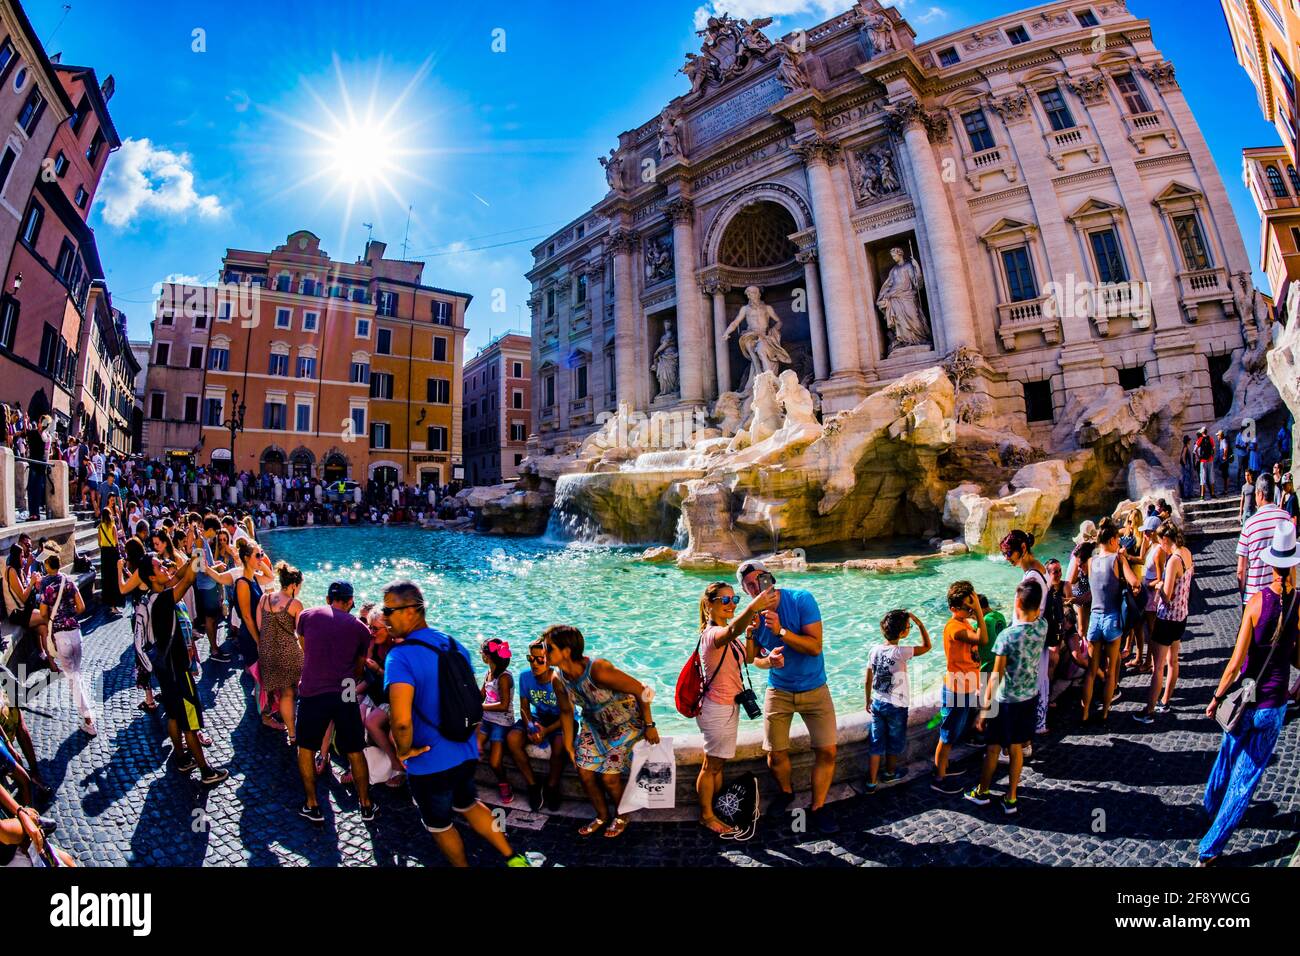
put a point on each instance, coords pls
(376, 684)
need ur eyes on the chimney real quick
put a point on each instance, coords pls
(108, 88)
(375, 250)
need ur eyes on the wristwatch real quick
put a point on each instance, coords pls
(781, 634)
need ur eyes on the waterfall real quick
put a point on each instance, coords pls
(567, 521)
(682, 536)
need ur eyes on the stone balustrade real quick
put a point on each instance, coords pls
(1031, 315)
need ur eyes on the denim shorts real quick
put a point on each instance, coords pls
(437, 795)
(1104, 626)
(888, 729)
(956, 717)
(494, 733)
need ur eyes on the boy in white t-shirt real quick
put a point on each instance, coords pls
(888, 694)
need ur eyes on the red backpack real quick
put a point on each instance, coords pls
(691, 685)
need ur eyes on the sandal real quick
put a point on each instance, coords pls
(147, 707)
(591, 828)
(616, 828)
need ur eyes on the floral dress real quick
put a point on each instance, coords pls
(611, 725)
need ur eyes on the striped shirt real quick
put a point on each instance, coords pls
(1256, 538)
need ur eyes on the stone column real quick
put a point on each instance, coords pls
(953, 303)
(622, 243)
(816, 318)
(56, 492)
(717, 290)
(597, 385)
(691, 335)
(8, 498)
(818, 154)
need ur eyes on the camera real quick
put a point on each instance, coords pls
(749, 703)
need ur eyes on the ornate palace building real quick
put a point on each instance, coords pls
(855, 205)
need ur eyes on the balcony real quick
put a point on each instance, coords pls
(1032, 315)
(1151, 125)
(1121, 300)
(580, 411)
(1199, 286)
(990, 162)
(546, 418)
(1066, 142)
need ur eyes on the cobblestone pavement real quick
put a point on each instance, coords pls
(1127, 795)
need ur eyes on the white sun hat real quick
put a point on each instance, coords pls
(1283, 553)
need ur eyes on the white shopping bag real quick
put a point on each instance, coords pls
(379, 765)
(653, 783)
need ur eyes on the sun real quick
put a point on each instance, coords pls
(361, 153)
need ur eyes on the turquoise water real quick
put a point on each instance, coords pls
(642, 617)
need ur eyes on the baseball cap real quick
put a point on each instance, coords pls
(1151, 524)
(339, 591)
(748, 567)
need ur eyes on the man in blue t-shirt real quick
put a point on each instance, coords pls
(790, 639)
(439, 772)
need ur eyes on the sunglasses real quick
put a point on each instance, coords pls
(538, 659)
(390, 611)
(734, 599)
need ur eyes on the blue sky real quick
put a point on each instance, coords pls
(237, 144)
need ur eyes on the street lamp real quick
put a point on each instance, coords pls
(234, 424)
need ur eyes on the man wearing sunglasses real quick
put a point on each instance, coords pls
(334, 645)
(796, 685)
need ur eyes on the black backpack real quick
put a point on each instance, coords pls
(460, 702)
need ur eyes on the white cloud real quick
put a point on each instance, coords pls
(143, 179)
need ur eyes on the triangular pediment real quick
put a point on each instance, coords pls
(1177, 190)
(1095, 207)
(1007, 226)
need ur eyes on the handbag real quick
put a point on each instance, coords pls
(1238, 704)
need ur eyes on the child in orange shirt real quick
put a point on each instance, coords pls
(963, 636)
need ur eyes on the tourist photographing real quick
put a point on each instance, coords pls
(796, 685)
(440, 755)
(889, 694)
(722, 656)
(616, 713)
(1266, 648)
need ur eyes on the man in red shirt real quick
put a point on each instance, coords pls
(1204, 449)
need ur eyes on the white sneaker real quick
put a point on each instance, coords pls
(88, 726)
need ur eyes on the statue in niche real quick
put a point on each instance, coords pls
(670, 136)
(791, 70)
(658, 259)
(760, 343)
(879, 34)
(875, 174)
(900, 301)
(664, 363)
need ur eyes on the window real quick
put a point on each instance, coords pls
(219, 360)
(200, 321)
(6, 55)
(1132, 378)
(548, 390)
(1058, 111)
(1109, 256)
(191, 408)
(360, 373)
(948, 57)
(439, 349)
(518, 431)
(157, 405)
(381, 385)
(32, 224)
(1275, 182)
(196, 356)
(78, 118)
(439, 391)
(1135, 100)
(363, 328)
(306, 367)
(273, 416)
(302, 417)
(1018, 35)
(96, 143)
(380, 436)
(212, 412)
(6, 167)
(283, 318)
(387, 303)
(1038, 401)
(310, 321)
(582, 289)
(437, 438)
(580, 382)
(1295, 180)
(309, 287)
(1191, 239)
(358, 421)
(283, 283)
(31, 111)
(63, 266)
(1020, 274)
(384, 342)
(279, 365)
(977, 130)
(82, 198)
(8, 321)
(517, 370)
(1086, 18)
(518, 460)
(550, 304)
(164, 353)
(517, 398)
(441, 312)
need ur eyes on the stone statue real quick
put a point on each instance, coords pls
(765, 415)
(796, 400)
(658, 259)
(900, 301)
(699, 70)
(791, 71)
(670, 139)
(875, 175)
(761, 340)
(879, 34)
(664, 363)
(727, 412)
(613, 170)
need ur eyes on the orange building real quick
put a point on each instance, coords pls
(338, 366)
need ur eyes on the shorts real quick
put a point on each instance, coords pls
(1168, 633)
(888, 729)
(1104, 626)
(494, 733)
(554, 740)
(180, 697)
(317, 712)
(956, 716)
(207, 602)
(719, 723)
(613, 760)
(814, 706)
(437, 795)
(1014, 722)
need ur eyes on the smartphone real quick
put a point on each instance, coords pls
(765, 581)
